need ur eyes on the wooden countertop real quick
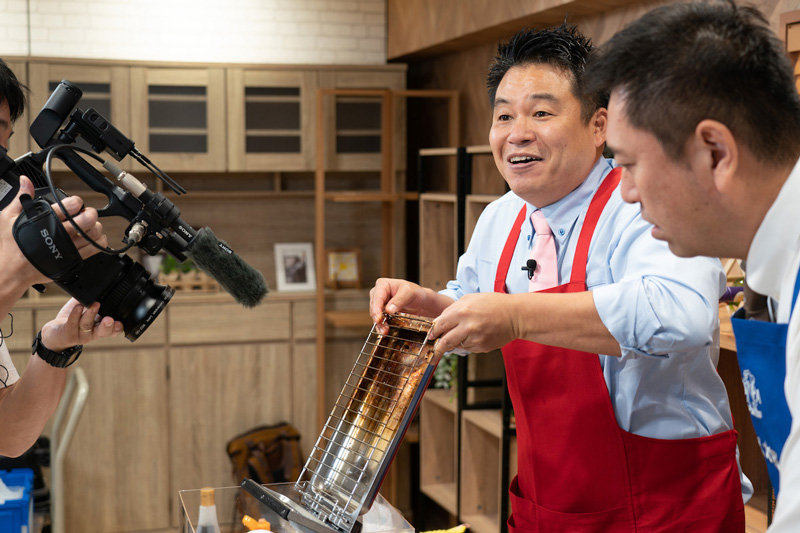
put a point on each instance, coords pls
(726, 340)
(180, 298)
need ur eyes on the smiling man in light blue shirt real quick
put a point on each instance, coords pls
(621, 416)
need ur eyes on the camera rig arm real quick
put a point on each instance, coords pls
(156, 218)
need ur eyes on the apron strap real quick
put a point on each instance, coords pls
(590, 222)
(508, 252)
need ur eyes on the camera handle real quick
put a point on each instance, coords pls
(165, 228)
(44, 242)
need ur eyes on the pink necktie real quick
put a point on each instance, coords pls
(544, 252)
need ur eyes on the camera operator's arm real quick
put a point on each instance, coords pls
(17, 274)
(27, 405)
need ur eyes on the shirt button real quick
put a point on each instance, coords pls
(561, 232)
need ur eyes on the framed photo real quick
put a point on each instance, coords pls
(344, 268)
(294, 266)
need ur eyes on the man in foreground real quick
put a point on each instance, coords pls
(704, 119)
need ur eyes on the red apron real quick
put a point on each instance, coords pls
(578, 471)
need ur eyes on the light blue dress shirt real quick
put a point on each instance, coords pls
(662, 309)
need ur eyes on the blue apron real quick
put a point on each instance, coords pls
(761, 350)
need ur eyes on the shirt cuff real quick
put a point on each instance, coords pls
(625, 319)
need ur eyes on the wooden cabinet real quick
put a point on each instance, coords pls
(377, 196)
(353, 122)
(178, 117)
(482, 461)
(160, 411)
(437, 213)
(438, 442)
(270, 119)
(215, 393)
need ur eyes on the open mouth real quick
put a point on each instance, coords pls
(522, 159)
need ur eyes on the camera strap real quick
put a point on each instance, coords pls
(44, 241)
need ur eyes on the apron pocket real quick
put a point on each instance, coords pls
(528, 517)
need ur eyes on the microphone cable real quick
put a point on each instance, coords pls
(49, 176)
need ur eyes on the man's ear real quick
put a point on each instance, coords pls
(717, 152)
(599, 123)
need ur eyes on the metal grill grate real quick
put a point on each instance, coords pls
(352, 454)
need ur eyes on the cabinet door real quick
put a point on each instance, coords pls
(106, 89)
(116, 474)
(179, 117)
(216, 393)
(20, 141)
(354, 123)
(270, 120)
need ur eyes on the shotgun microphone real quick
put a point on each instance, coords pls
(218, 260)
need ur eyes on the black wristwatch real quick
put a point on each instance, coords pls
(56, 359)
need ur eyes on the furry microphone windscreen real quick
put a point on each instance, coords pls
(218, 260)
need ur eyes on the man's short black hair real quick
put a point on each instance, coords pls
(562, 47)
(684, 63)
(11, 91)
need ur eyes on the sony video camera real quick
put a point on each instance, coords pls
(123, 286)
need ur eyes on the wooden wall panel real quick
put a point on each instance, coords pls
(304, 402)
(215, 394)
(116, 474)
(433, 26)
(221, 322)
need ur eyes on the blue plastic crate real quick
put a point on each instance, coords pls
(16, 515)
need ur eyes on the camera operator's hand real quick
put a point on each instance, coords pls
(76, 324)
(17, 272)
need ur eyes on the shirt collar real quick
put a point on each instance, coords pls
(563, 214)
(776, 241)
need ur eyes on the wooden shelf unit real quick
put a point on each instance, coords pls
(436, 213)
(438, 460)
(389, 196)
(481, 466)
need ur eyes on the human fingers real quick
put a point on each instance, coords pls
(88, 320)
(73, 205)
(378, 296)
(447, 343)
(106, 327)
(384, 298)
(85, 219)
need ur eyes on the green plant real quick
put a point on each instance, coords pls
(444, 377)
(170, 264)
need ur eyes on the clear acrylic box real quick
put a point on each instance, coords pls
(226, 499)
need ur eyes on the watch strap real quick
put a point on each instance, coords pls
(56, 359)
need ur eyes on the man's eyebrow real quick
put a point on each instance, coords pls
(550, 97)
(543, 96)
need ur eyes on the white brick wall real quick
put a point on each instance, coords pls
(215, 31)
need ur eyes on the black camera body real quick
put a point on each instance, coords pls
(123, 286)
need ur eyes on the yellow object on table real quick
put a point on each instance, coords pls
(255, 525)
(462, 528)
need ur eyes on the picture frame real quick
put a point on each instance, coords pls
(294, 266)
(344, 268)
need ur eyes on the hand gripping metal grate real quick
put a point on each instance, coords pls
(350, 459)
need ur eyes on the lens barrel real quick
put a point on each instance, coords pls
(124, 289)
